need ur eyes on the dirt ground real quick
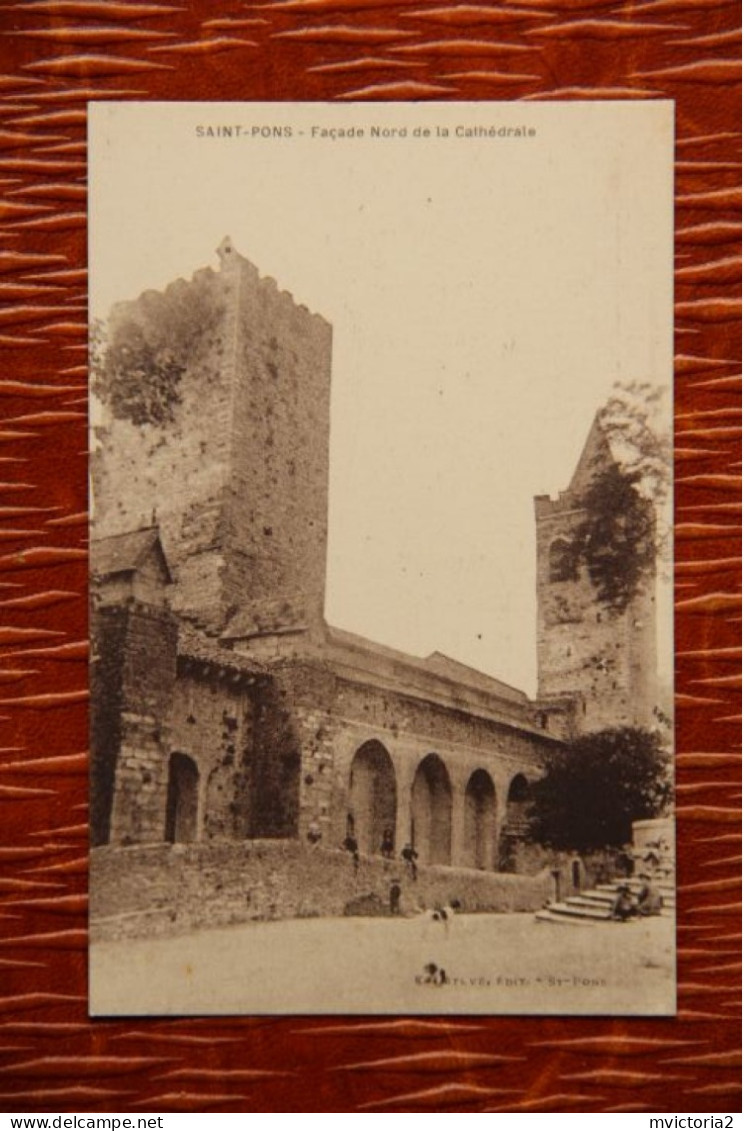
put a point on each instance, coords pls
(493, 964)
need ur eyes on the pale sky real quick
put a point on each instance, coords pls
(485, 295)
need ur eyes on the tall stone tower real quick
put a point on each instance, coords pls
(603, 659)
(216, 394)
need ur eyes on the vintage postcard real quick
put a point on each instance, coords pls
(381, 558)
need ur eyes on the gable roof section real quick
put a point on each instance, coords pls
(127, 553)
(466, 674)
(268, 618)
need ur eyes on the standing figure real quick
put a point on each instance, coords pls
(410, 855)
(352, 847)
(387, 847)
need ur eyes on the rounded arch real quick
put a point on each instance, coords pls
(431, 811)
(182, 803)
(516, 822)
(562, 563)
(519, 790)
(373, 797)
(480, 821)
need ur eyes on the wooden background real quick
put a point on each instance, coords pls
(59, 53)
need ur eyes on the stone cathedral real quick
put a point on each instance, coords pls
(224, 709)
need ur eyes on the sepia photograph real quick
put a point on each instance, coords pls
(381, 558)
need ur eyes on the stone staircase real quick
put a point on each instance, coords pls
(595, 905)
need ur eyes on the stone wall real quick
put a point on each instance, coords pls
(277, 502)
(276, 764)
(607, 658)
(108, 631)
(168, 462)
(222, 439)
(212, 722)
(133, 680)
(330, 717)
(173, 889)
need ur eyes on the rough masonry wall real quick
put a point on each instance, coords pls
(278, 486)
(218, 430)
(608, 658)
(212, 723)
(108, 630)
(171, 467)
(174, 889)
(137, 649)
(282, 750)
(331, 717)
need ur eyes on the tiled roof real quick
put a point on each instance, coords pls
(125, 553)
(285, 614)
(194, 645)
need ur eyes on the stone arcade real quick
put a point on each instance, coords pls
(225, 709)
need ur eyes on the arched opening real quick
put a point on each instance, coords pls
(516, 823)
(562, 561)
(431, 812)
(577, 875)
(182, 805)
(480, 821)
(517, 804)
(372, 797)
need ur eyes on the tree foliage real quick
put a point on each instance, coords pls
(617, 537)
(136, 368)
(637, 424)
(140, 378)
(595, 787)
(625, 529)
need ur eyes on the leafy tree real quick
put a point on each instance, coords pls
(139, 378)
(137, 362)
(595, 787)
(638, 426)
(624, 532)
(617, 537)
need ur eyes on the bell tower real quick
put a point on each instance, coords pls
(601, 656)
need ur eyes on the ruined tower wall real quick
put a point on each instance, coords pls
(606, 658)
(217, 429)
(165, 450)
(277, 493)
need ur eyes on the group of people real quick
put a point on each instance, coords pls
(645, 902)
(387, 850)
(408, 855)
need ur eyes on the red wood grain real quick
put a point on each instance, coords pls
(59, 53)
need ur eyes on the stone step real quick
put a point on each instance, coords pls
(590, 899)
(658, 881)
(589, 907)
(596, 896)
(546, 915)
(606, 894)
(578, 911)
(636, 885)
(668, 893)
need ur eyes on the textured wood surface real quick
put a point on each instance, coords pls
(59, 53)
